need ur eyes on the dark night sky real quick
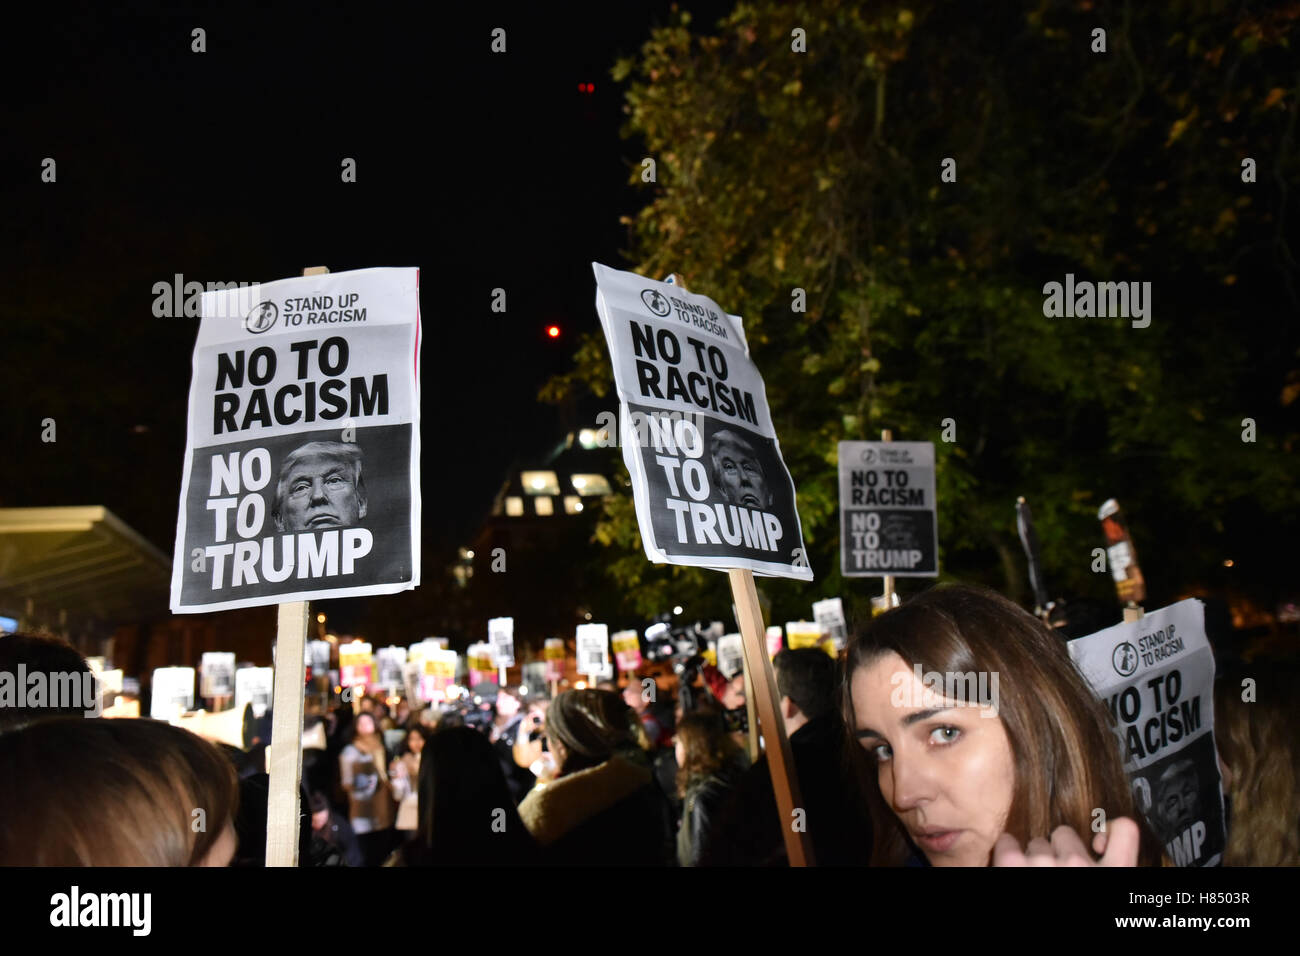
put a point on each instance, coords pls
(484, 170)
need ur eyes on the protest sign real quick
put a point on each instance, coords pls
(481, 668)
(301, 475)
(553, 655)
(253, 685)
(829, 614)
(593, 650)
(389, 662)
(710, 486)
(1156, 676)
(627, 650)
(731, 655)
(774, 640)
(216, 674)
(172, 693)
(317, 658)
(501, 638)
(356, 664)
(801, 634)
(888, 514)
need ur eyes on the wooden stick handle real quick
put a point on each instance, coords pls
(780, 761)
(282, 807)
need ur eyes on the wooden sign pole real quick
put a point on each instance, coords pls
(751, 716)
(282, 804)
(780, 760)
(762, 682)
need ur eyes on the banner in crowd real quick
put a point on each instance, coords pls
(216, 674)
(888, 514)
(501, 637)
(731, 655)
(829, 614)
(172, 692)
(627, 650)
(710, 485)
(253, 685)
(1156, 676)
(317, 657)
(356, 664)
(593, 651)
(801, 634)
(479, 658)
(301, 477)
(553, 655)
(389, 662)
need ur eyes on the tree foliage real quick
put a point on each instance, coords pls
(821, 170)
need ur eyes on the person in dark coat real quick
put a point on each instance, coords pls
(836, 818)
(710, 765)
(333, 842)
(605, 807)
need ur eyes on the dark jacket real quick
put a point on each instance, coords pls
(701, 808)
(336, 836)
(613, 814)
(837, 820)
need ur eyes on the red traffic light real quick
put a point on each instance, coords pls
(553, 331)
(586, 87)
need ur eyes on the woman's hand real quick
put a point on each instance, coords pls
(1117, 846)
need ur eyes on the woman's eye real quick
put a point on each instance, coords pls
(880, 752)
(944, 735)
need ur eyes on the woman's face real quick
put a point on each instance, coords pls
(365, 725)
(946, 769)
(415, 742)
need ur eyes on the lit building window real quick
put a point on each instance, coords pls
(544, 505)
(540, 483)
(572, 504)
(590, 484)
(514, 506)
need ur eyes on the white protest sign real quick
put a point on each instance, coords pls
(1156, 676)
(172, 692)
(830, 615)
(888, 514)
(731, 655)
(501, 638)
(253, 686)
(216, 674)
(593, 650)
(774, 640)
(301, 476)
(389, 662)
(710, 485)
(317, 657)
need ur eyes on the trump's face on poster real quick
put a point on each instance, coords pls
(320, 486)
(737, 471)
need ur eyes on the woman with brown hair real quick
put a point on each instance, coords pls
(709, 765)
(114, 793)
(363, 768)
(1259, 759)
(980, 735)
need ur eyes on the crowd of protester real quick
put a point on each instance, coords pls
(659, 776)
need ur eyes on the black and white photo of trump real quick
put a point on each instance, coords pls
(320, 486)
(738, 473)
